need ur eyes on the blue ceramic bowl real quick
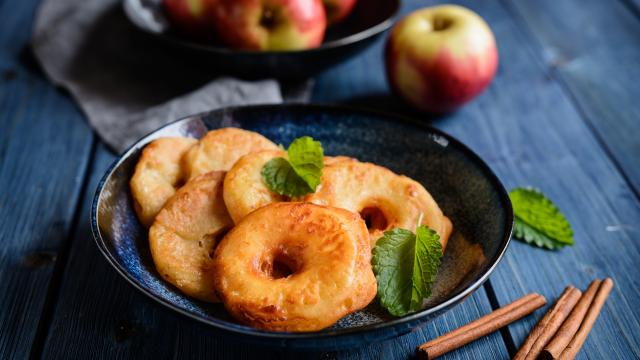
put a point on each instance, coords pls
(465, 188)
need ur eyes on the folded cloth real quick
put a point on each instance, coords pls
(127, 83)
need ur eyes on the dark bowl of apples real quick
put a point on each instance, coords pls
(265, 38)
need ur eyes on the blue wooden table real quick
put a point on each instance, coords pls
(563, 114)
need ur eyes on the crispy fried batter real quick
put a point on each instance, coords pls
(184, 235)
(384, 199)
(244, 189)
(219, 149)
(295, 267)
(157, 175)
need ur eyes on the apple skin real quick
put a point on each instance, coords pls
(194, 17)
(439, 58)
(275, 25)
(338, 10)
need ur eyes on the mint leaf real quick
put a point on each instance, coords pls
(425, 268)
(300, 174)
(538, 221)
(530, 235)
(392, 261)
(280, 178)
(305, 156)
(405, 266)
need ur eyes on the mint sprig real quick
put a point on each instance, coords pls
(300, 173)
(405, 265)
(538, 221)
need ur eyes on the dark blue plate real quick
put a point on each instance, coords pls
(369, 20)
(462, 184)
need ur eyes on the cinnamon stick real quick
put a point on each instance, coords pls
(571, 324)
(574, 346)
(483, 326)
(486, 318)
(549, 324)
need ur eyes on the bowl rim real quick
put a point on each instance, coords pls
(340, 42)
(250, 331)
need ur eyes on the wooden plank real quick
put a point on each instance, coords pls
(561, 157)
(44, 148)
(530, 132)
(100, 315)
(489, 347)
(595, 52)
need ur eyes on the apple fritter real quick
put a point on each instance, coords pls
(157, 175)
(295, 267)
(384, 199)
(219, 149)
(244, 188)
(185, 233)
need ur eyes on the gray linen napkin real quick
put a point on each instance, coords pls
(127, 83)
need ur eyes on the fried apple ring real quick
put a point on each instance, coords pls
(244, 189)
(219, 149)
(184, 235)
(157, 175)
(295, 267)
(384, 199)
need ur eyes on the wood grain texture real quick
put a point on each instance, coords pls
(44, 148)
(530, 128)
(593, 47)
(531, 133)
(562, 158)
(100, 315)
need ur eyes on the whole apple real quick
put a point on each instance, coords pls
(271, 24)
(191, 16)
(440, 57)
(338, 10)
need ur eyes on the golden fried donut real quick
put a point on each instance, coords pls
(244, 189)
(384, 199)
(157, 175)
(220, 149)
(184, 235)
(294, 266)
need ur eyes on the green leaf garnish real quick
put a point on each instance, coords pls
(282, 179)
(406, 265)
(306, 158)
(300, 174)
(538, 221)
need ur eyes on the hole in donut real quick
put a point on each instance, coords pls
(374, 218)
(279, 266)
(281, 269)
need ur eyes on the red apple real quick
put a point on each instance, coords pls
(440, 57)
(194, 17)
(271, 24)
(338, 10)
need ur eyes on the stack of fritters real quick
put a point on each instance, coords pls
(218, 233)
